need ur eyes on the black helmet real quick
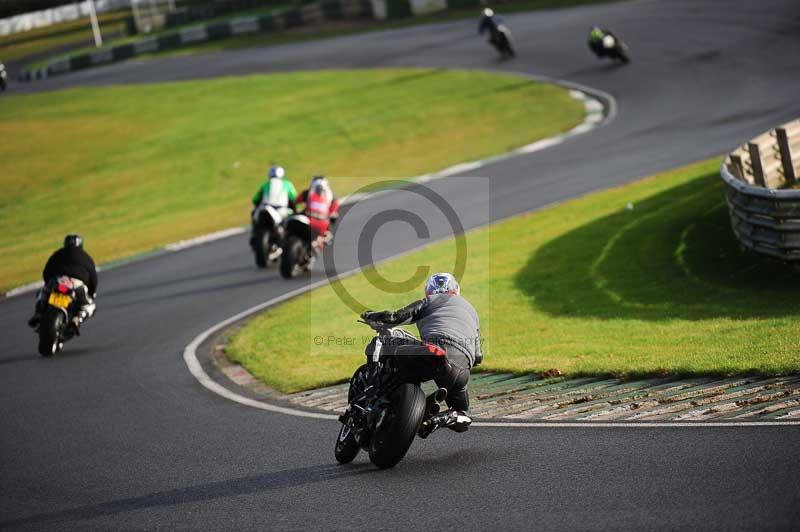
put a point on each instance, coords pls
(73, 241)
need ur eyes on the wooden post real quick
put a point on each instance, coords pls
(755, 162)
(737, 167)
(786, 156)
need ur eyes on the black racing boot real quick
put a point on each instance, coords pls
(34, 320)
(454, 420)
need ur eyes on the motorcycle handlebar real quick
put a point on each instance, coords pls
(377, 326)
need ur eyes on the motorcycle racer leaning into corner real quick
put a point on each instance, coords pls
(596, 38)
(321, 207)
(70, 261)
(493, 23)
(449, 321)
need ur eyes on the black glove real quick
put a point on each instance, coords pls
(383, 316)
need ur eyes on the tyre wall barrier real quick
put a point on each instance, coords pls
(314, 13)
(55, 15)
(763, 192)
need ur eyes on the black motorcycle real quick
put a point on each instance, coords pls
(267, 235)
(499, 34)
(55, 326)
(386, 406)
(501, 40)
(610, 46)
(300, 246)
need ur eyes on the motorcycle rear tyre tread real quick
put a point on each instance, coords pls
(391, 442)
(290, 256)
(49, 328)
(258, 248)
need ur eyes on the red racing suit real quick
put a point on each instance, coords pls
(320, 209)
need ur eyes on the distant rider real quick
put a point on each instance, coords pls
(447, 320)
(70, 261)
(491, 23)
(597, 36)
(321, 207)
(276, 191)
(280, 194)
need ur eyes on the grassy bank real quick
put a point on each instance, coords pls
(135, 167)
(645, 279)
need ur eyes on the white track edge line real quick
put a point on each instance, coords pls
(634, 424)
(197, 371)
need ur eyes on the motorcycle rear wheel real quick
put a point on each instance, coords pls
(49, 332)
(259, 247)
(290, 258)
(392, 440)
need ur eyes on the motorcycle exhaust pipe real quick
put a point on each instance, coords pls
(433, 400)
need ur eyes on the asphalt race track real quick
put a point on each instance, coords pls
(116, 434)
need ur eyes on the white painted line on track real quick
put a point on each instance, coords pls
(633, 424)
(540, 145)
(24, 289)
(196, 369)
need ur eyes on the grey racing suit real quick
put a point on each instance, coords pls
(451, 323)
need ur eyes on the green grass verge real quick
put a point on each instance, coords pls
(329, 29)
(132, 168)
(20, 45)
(588, 287)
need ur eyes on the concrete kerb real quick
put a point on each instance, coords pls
(595, 102)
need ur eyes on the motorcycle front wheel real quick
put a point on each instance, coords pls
(346, 445)
(393, 438)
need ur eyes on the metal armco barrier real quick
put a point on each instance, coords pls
(763, 193)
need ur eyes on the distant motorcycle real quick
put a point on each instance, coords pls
(501, 40)
(267, 234)
(386, 406)
(610, 46)
(3, 77)
(300, 246)
(55, 326)
(499, 34)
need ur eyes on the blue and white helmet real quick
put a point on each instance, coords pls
(276, 172)
(442, 283)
